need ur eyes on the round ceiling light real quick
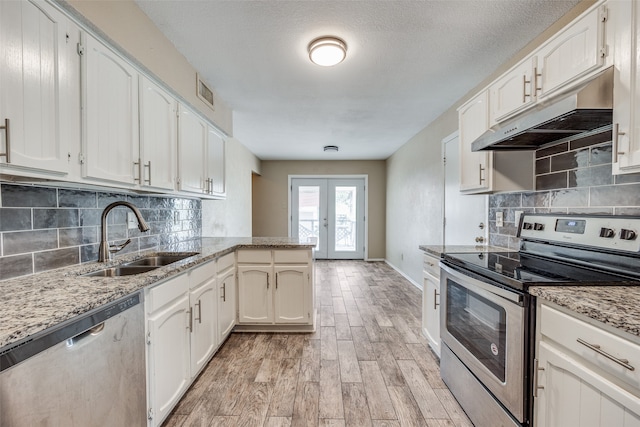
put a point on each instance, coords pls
(327, 51)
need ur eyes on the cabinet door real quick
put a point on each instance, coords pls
(575, 52)
(203, 319)
(169, 361)
(512, 93)
(571, 394)
(431, 311)
(158, 137)
(192, 142)
(292, 293)
(474, 166)
(254, 294)
(226, 303)
(35, 57)
(111, 114)
(215, 165)
(625, 18)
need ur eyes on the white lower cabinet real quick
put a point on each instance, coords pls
(431, 302)
(181, 336)
(585, 375)
(226, 295)
(275, 287)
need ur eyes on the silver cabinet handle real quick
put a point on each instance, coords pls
(276, 280)
(616, 134)
(7, 134)
(190, 327)
(480, 170)
(199, 304)
(536, 89)
(597, 349)
(536, 369)
(224, 292)
(524, 88)
(435, 299)
(148, 165)
(267, 280)
(138, 164)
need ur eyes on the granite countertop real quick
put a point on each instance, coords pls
(616, 306)
(31, 304)
(438, 250)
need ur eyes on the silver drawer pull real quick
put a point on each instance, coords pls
(597, 349)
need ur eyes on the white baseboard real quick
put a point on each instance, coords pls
(375, 259)
(417, 285)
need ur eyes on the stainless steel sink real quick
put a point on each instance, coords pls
(124, 270)
(160, 260)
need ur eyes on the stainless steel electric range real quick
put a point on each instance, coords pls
(488, 317)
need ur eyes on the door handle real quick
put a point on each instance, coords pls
(7, 133)
(224, 292)
(435, 299)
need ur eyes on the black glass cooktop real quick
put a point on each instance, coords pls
(520, 271)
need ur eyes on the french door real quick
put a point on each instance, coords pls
(331, 210)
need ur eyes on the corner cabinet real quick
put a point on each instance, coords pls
(625, 19)
(275, 290)
(488, 171)
(227, 300)
(431, 302)
(39, 88)
(584, 374)
(182, 336)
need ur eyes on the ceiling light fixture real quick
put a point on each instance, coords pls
(327, 51)
(331, 148)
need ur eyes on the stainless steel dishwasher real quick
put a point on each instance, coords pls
(89, 371)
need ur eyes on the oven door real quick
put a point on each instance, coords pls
(483, 325)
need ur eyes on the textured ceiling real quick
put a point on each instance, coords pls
(407, 62)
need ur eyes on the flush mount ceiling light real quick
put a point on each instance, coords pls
(331, 148)
(327, 51)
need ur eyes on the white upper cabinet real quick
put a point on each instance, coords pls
(215, 165)
(625, 19)
(111, 135)
(473, 122)
(576, 52)
(39, 77)
(201, 154)
(158, 137)
(192, 143)
(512, 92)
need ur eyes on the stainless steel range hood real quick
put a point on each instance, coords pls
(586, 108)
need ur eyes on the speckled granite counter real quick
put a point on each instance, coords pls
(31, 304)
(438, 250)
(617, 306)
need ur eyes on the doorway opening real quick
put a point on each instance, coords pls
(331, 209)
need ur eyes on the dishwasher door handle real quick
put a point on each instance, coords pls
(96, 330)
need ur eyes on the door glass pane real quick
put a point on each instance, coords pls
(345, 221)
(479, 325)
(309, 213)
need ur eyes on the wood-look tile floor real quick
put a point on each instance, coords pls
(367, 364)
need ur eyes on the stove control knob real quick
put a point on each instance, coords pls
(627, 234)
(527, 226)
(538, 226)
(607, 232)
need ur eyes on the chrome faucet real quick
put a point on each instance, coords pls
(105, 249)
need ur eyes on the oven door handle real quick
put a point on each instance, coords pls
(463, 280)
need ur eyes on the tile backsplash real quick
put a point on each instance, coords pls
(571, 177)
(42, 228)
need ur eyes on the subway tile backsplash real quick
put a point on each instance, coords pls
(571, 177)
(43, 228)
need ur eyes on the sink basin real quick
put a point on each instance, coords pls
(160, 260)
(125, 270)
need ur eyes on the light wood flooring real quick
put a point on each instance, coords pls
(367, 364)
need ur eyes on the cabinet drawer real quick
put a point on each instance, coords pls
(225, 262)
(577, 335)
(201, 274)
(292, 256)
(166, 292)
(249, 256)
(431, 265)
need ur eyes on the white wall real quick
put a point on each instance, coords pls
(232, 217)
(414, 196)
